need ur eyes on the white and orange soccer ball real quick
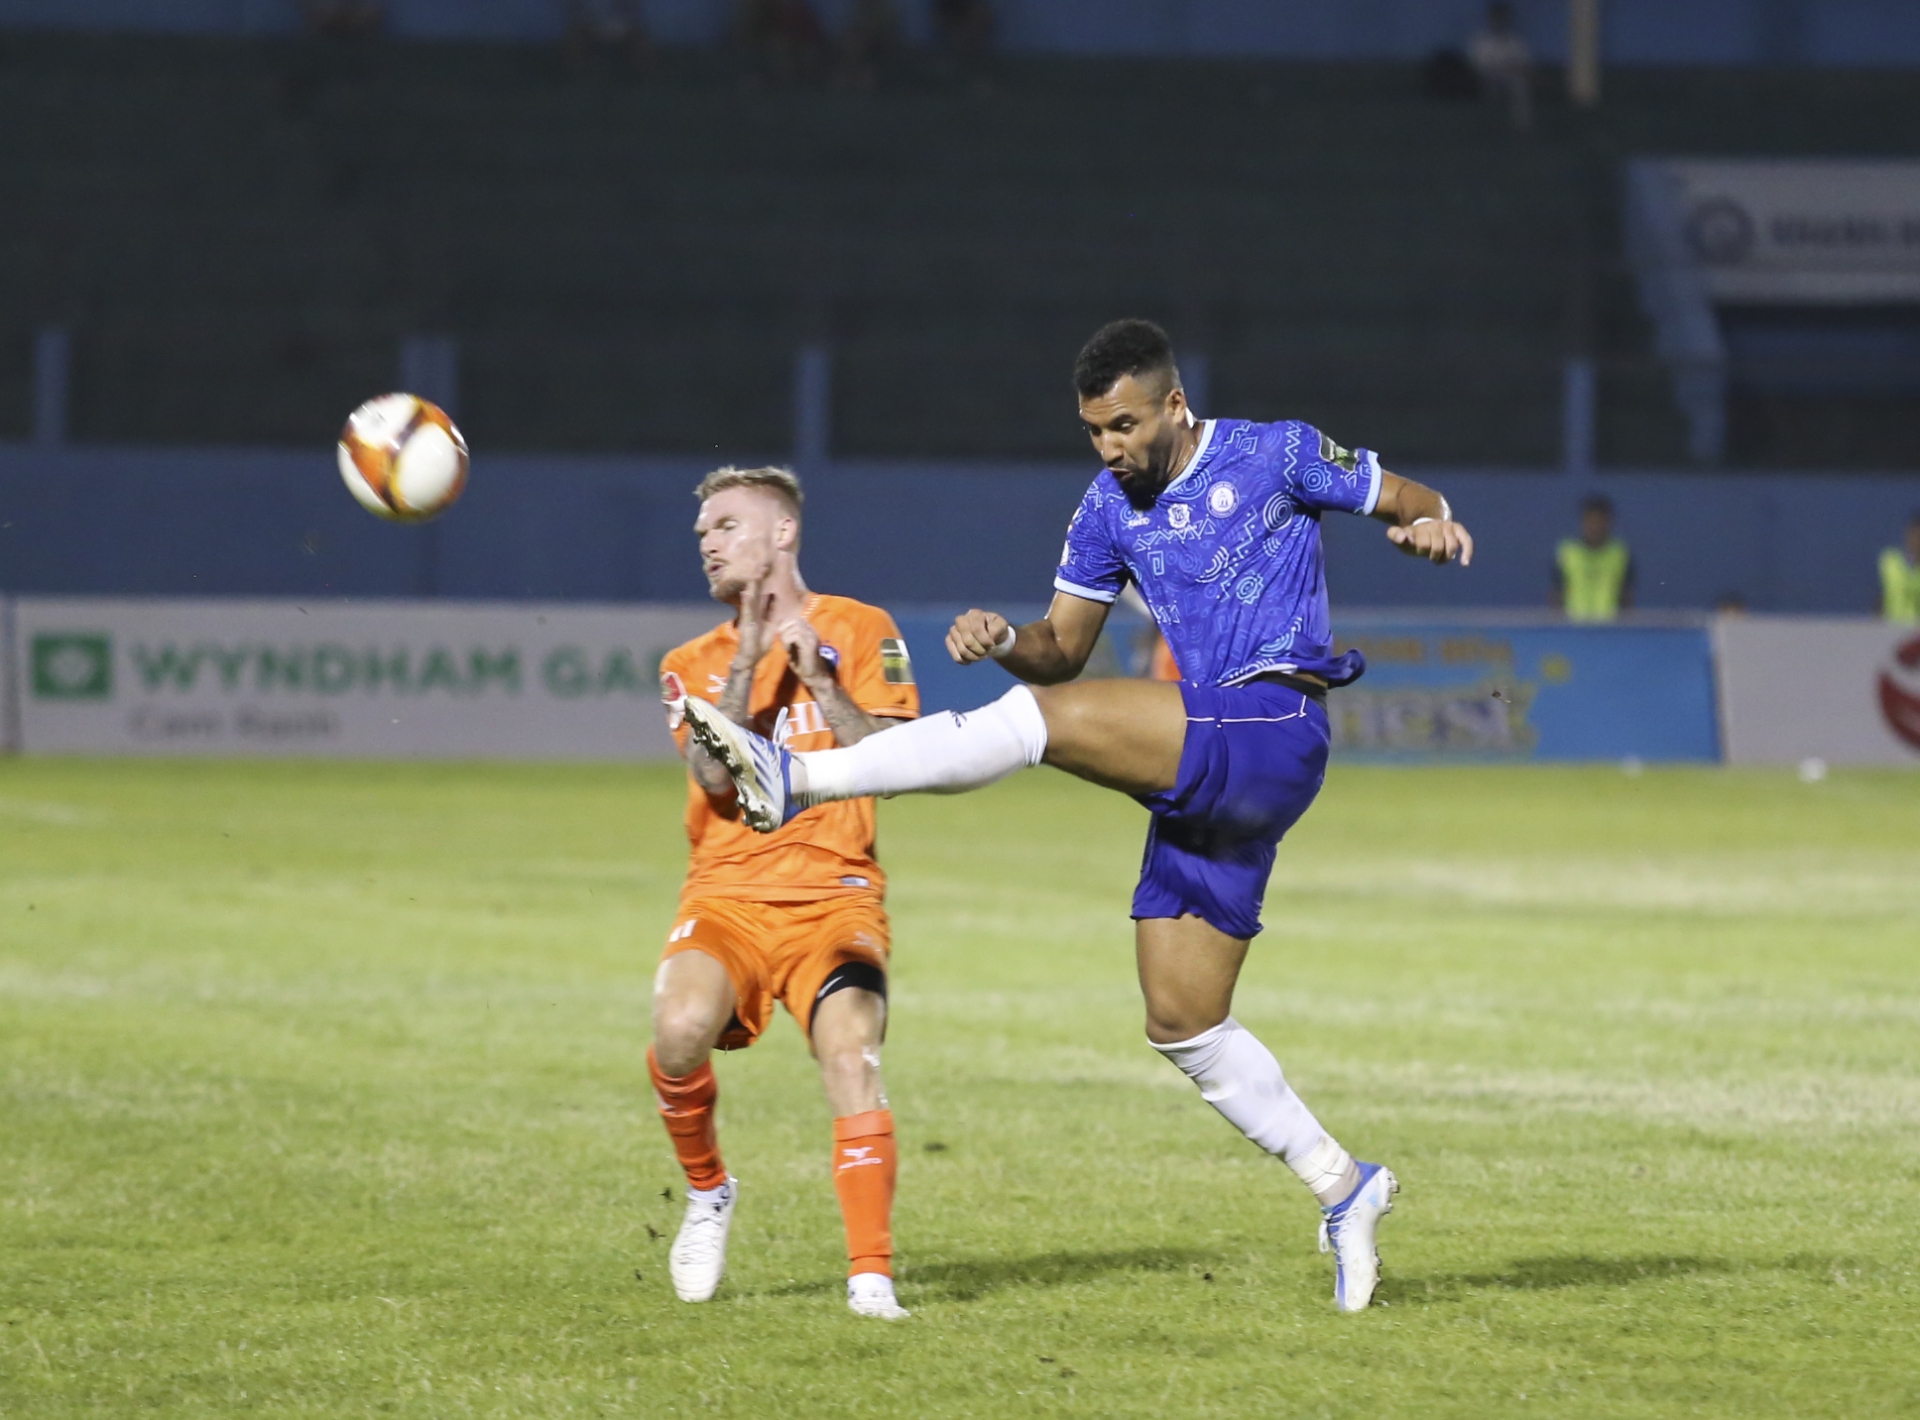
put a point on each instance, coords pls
(402, 458)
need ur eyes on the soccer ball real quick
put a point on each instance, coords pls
(402, 458)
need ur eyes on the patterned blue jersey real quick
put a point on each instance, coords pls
(1228, 557)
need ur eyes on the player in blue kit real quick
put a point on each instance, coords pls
(1217, 522)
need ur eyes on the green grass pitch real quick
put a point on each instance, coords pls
(322, 1093)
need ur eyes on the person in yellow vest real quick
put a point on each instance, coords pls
(1900, 577)
(1593, 573)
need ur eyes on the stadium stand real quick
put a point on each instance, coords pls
(239, 233)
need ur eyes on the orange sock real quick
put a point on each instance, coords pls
(864, 1163)
(686, 1104)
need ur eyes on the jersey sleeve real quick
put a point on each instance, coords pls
(1324, 475)
(1090, 563)
(880, 676)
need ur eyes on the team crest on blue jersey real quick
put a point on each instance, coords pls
(1222, 498)
(1178, 516)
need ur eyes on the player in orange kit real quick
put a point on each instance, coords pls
(795, 915)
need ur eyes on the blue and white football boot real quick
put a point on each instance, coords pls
(758, 767)
(1347, 1231)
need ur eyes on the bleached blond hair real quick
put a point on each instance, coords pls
(783, 483)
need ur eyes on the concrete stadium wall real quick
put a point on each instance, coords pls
(1878, 33)
(235, 522)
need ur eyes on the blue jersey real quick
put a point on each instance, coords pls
(1229, 557)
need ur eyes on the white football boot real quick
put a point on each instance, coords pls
(1347, 1231)
(757, 766)
(699, 1257)
(871, 1294)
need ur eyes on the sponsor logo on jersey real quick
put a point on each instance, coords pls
(895, 664)
(1222, 499)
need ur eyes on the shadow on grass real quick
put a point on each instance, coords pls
(1542, 1274)
(970, 1279)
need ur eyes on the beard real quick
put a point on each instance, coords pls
(1144, 486)
(1141, 493)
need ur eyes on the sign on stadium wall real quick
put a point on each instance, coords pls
(1493, 690)
(457, 680)
(1845, 690)
(1802, 230)
(379, 679)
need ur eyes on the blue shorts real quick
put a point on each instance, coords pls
(1254, 758)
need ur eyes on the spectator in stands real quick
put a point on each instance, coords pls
(871, 37)
(614, 25)
(1499, 54)
(343, 19)
(964, 28)
(785, 36)
(1593, 573)
(1900, 577)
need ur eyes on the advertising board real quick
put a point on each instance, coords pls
(1481, 690)
(1842, 689)
(521, 680)
(1793, 230)
(375, 679)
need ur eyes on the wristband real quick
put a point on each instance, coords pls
(1417, 521)
(1004, 645)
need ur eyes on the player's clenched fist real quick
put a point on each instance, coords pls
(1436, 539)
(976, 635)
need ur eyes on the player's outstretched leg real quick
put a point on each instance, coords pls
(1123, 734)
(947, 753)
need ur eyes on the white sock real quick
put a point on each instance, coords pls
(1238, 1076)
(948, 753)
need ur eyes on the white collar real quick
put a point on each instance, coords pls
(1199, 453)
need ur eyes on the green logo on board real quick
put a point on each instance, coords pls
(72, 665)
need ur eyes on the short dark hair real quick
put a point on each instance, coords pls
(1119, 349)
(1597, 503)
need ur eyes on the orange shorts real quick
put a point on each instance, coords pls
(783, 952)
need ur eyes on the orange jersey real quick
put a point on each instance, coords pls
(826, 850)
(1161, 665)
